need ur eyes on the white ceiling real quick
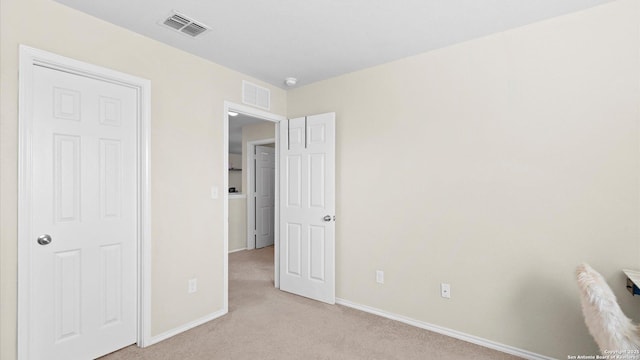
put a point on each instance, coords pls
(318, 39)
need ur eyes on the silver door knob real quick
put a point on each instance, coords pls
(44, 239)
(327, 218)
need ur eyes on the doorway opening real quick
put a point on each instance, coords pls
(247, 129)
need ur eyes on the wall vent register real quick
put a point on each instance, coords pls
(255, 95)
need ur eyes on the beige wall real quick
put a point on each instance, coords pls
(237, 223)
(186, 122)
(520, 156)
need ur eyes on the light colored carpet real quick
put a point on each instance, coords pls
(265, 323)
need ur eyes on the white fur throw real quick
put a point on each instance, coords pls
(614, 333)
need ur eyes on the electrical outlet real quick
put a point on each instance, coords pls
(445, 291)
(380, 276)
(193, 286)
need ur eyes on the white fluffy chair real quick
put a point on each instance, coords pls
(608, 325)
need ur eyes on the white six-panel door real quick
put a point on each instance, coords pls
(265, 158)
(307, 209)
(83, 283)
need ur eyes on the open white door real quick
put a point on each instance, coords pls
(307, 209)
(264, 189)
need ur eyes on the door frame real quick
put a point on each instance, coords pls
(251, 173)
(30, 58)
(264, 115)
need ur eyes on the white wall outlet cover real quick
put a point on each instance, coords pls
(214, 192)
(445, 291)
(380, 276)
(193, 285)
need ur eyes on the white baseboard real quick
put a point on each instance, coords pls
(444, 331)
(236, 250)
(173, 332)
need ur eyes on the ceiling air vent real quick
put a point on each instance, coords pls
(185, 25)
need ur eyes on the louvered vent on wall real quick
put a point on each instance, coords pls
(255, 95)
(185, 24)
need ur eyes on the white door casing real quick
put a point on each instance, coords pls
(83, 182)
(307, 209)
(264, 189)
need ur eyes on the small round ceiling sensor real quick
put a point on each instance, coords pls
(290, 81)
